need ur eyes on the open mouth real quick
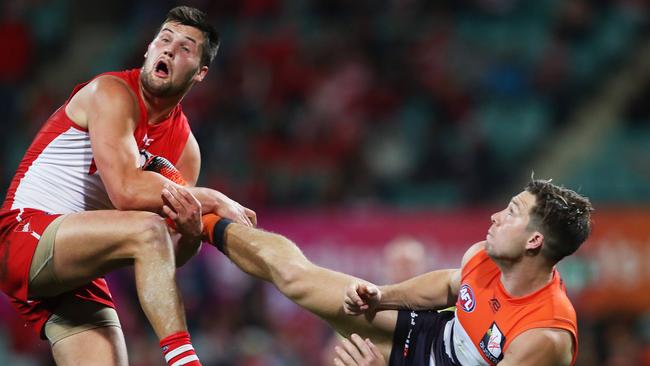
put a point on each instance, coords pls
(161, 69)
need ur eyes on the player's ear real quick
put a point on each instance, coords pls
(200, 75)
(535, 241)
(146, 53)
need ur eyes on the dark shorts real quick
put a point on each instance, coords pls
(417, 333)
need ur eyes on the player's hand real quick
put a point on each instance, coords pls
(361, 297)
(358, 352)
(184, 209)
(230, 209)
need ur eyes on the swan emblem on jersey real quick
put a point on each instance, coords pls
(146, 141)
(492, 343)
(466, 298)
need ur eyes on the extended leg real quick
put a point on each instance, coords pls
(276, 259)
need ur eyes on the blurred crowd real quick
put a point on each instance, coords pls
(329, 102)
(323, 103)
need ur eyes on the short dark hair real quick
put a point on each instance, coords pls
(193, 17)
(562, 216)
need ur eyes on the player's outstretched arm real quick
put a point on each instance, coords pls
(433, 290)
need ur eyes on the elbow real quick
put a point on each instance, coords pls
(124, 199)
(121, 203)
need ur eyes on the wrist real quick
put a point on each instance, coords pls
(384, 301)
(206, 197)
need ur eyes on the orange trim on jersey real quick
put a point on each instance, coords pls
(493, 318)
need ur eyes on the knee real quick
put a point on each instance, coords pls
(298, 280)
(151, 234)
(292, 273)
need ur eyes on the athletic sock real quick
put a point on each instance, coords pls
(178, 350)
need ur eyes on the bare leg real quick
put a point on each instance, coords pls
(91, 244)
(100, 346)
(276, 259)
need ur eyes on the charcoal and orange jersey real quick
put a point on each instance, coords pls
(488, 318)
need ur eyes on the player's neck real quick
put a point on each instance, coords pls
(158, 109)
(525, 277)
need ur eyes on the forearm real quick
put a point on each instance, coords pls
(139, 191)
(209, 198)
(431, 290)
(143, 190)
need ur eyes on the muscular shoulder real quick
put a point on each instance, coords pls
(471, 252)
(540, 346)
(456, 275)
(105, 94)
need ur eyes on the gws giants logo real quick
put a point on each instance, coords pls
(492, 344)
(466, 298)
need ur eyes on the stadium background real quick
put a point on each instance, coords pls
(346, 124)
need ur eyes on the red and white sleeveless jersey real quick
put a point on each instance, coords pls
(58, 174)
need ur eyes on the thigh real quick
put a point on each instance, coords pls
(42, 280)
(73, 315)
(103, 346)
(90, 244)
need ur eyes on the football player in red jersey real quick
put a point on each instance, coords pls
(80, 205)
